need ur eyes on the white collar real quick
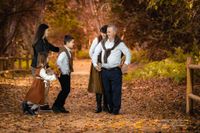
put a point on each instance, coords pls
(67, 48)
(110, 41)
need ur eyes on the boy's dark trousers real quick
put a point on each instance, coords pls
(65, 85)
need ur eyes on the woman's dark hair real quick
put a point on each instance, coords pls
(40, 33)
(67, 38)
(103, 29)
(42, 59)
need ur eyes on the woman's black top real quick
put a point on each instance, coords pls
(42, 46)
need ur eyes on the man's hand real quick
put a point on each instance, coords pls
(122, 62)
(98, 68)
(125, 69)
(121, 65)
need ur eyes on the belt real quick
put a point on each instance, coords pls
(38, 77)
(110, 69)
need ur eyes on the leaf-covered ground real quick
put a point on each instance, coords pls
(155, 105)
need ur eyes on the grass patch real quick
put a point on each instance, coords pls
(167, 68)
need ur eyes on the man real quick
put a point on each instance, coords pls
(65, 64)
(112, 50)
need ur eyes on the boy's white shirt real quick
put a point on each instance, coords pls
(63, 62)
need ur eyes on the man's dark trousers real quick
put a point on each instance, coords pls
(65, 85)
(112, 83)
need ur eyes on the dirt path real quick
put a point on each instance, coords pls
(147, 106)
(82, 67)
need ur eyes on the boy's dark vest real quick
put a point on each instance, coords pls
(70, 59)
(117, 41)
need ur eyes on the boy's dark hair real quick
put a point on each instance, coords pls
(67, 38)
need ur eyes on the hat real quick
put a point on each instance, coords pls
(103, 29)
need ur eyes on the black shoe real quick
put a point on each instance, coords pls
(36, 110)
(56, 109)
(31, 112)
(63, 110)
(98, 111)
(25, 107)
(45, 108)
(110, 110)
(105, 109)
(115, 112)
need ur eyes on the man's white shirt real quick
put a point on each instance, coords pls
(63, 62)
(114, 59)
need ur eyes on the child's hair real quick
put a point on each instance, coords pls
(67, 38)
(42, 59)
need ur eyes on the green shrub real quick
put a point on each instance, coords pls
(83, 54)
(166, 68)
(139, 56)
(196, 58)
(178, 55)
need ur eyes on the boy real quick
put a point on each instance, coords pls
(65, 64)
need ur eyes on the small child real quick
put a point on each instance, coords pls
(36, 94)
(45, 107)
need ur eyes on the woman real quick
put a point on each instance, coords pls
(41, 45)
(95, 82)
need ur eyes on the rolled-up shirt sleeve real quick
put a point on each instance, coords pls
(125, 50)
(97, 51)
(45, 76)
